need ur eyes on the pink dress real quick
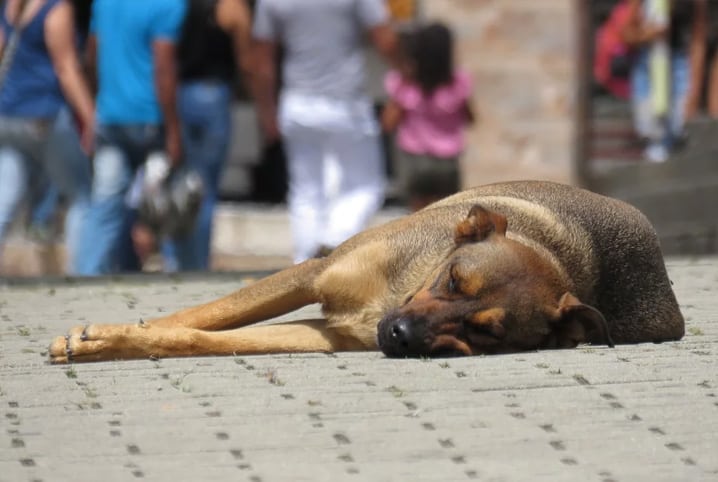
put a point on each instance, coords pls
(431, 125)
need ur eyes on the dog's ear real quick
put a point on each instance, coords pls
(575, 322)
(478, 225)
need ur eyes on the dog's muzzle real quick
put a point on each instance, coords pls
(402, 337)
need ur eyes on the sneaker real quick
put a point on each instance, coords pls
(323, 251)
(656, 154)
(40, 234)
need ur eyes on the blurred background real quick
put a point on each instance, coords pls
(542, 114)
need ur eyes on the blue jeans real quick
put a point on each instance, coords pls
(662, 132)
(205, 112)
(120, 150)
(69, 171)
(15, 172)
(44, 206)
(22, 146)
(57, 158)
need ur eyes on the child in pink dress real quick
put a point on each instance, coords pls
(429, 107)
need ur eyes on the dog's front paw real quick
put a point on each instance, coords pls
(88, 343)
(62, 348)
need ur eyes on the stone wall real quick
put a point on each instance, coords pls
(522, 54)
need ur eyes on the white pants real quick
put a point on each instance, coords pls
(335, 166)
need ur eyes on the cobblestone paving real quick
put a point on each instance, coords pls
(633, 413)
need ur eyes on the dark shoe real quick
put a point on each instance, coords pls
(323, 252)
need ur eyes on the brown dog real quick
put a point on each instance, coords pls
(495, 269)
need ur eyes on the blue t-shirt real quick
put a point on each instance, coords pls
(125, 31)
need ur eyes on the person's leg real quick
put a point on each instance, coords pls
(13, 186)
(129, 257)
(303, 141)
(362, 183)
(44, 206)
(713, 86)
(647, 126)
(305, 199)
(69, 169)
(641, 95)
(205, 110)
(680, 83)
(107, 214)
(433, 178)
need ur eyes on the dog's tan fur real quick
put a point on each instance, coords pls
(537, 265)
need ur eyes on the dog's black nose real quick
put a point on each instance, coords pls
(400, 337)
(400, 332)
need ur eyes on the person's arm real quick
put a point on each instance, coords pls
(697, 56)
(391, 116)
(2, 42)
(91, 62)
(166, 88)
(234, 17)
(636, 31)
(60, 40)
(385, 41)
(375, 21)
(470, 112)
(265, 85)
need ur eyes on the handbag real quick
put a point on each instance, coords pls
(169, 199)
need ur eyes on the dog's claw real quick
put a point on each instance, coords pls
(83, 335)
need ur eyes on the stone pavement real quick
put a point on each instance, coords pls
(633, 413)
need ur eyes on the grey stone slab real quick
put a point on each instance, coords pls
(644, 412)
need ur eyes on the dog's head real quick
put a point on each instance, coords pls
(491, 295)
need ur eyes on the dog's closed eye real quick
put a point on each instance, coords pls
(453, 283)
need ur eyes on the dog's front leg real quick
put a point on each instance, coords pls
(122, 342)
(266, 298)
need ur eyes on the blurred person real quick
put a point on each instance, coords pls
(40, 64)
(685, 36)
(132, 49)
(214, 44)
(323, 113)
(613, 58)
(67, 163)
(68, 169)
(429, 105)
